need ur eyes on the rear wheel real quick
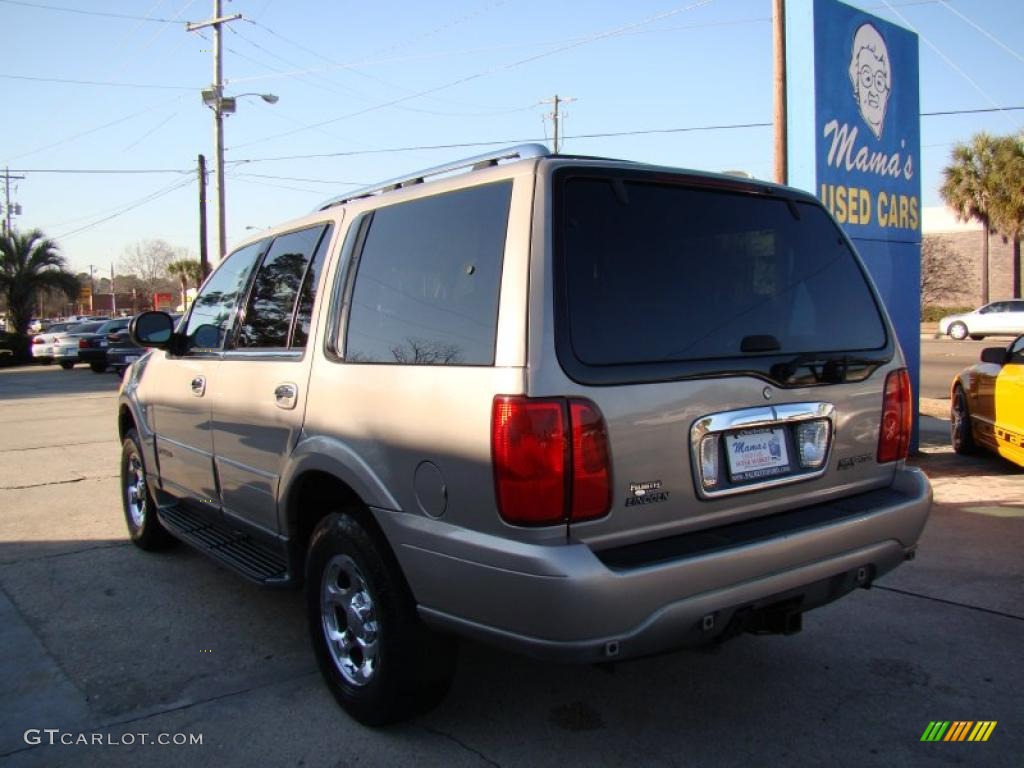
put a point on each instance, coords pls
(378, 658)
(960, 424)
(66, 365)
(98, 367)
(977, 336)
(958, 331)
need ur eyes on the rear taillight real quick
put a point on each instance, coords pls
(83, 344)
(550, 460)
(894, 438)
(38, 340)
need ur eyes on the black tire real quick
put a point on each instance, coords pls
(960, 434)
(98, 367)
(958, 331)
(67, 365)
(977, 336)
(144, 526)
(393, 666)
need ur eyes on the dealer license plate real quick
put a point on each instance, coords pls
(757, 453)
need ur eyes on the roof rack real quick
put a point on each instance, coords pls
(518, 152)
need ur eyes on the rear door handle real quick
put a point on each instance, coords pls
(285, 395)
(199, 386)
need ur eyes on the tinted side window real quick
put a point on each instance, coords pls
(426, 290)
(214, 308)
(304, 313)
(268, 317)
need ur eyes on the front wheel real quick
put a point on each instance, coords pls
(378, 658)
(98, 367)
(960, 434)
(67, 365)
(139, 508)
(958, 331)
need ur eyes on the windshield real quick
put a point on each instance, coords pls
(662, 273)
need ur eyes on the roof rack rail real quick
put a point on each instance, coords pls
(519, 152)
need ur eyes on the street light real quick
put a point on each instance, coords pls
(214, 98)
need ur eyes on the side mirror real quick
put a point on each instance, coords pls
(996, 355)
(152, 329)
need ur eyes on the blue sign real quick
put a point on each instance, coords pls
(854, 140)
(866, 143)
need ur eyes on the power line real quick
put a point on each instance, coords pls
(952, 64)
(985, 32)
(459, 145)
(104, 170)
(131, 207)
(469, 78)
(42, 7)
(105, 83)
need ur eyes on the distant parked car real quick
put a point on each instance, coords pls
(122, 351)
(987, 404)
(42, 344)
(1004, 318)
(92, 348)
(65, 345)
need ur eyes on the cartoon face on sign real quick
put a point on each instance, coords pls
(871, 76)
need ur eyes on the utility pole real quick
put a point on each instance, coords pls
(92, 287)
(214, 98)
(7, 199)
(113, 293)
(204, 258)
(781, 115)
(556, 117)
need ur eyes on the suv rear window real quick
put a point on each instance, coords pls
(677, 279)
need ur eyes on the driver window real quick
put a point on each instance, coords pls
(214, 308)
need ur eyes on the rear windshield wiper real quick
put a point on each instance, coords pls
(826, 369)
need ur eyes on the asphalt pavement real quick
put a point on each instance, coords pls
(121, 648)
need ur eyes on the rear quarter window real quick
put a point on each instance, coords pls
(428, 280)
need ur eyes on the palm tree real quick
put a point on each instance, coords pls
(967, 188)
(186, 270)
(1008, 205)
(29, 263)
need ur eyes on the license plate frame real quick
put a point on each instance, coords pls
(757, 454)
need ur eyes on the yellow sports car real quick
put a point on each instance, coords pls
(987, 404)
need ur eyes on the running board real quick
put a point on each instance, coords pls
(240, 552)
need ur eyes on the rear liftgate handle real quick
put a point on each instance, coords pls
(285, 396)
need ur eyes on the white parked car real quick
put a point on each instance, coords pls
(999, 318)
(42, 344)
(65, 345)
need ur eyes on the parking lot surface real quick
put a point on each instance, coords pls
(109, 644)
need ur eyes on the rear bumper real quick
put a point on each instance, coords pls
(89, 355)
(566, 603)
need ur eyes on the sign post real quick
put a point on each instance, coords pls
(854, 140)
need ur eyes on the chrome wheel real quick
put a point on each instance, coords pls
(349, 620)
(135, 490)
(958, 331)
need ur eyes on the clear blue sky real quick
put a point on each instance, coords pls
(359, 69)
